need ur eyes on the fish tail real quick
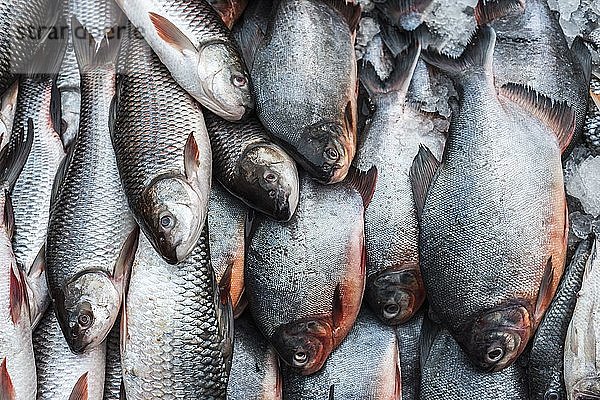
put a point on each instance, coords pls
(488, 10)
(48, 59)
(14, 155)
(399, 79)
(478, 55)
(91, 54)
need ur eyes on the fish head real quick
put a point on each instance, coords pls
(225, 81)
(587, 389)
(496, 339)
(327, 151)
(304, 345)
(395, 294)
(172, 216)
(270, 180)
(87, 308)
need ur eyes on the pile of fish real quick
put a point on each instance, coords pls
(296, 199)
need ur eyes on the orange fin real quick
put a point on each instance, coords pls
(80, 390)
(191, 157)
(350, 11)
(17, 296)
(421, 175)
(171, 34)
(545, 292)
(488, 10)
(363, 182)
(7, 390)
(557, 115)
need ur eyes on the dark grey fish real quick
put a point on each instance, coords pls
(163, 151)
(409, 339)
(252, 167)
(303, 70)
(545, 365)
(255, 367)
(113, 376)
(364, 366)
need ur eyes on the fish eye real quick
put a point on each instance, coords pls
(167, 221)
(270, 177)
(271, 193)
(551, 395)
(84, 320)
(495, 354)
(391, 310)
(331, 153)
(239, 80)
(300, 358)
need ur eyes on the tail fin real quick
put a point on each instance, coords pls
(488, 10)
(477, 55)
(399, 79)
(46, 62)
(88, 52)
(14, 155)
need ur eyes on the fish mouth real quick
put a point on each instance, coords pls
(396, 293)
(304, 345)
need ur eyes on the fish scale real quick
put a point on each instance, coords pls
(178, 339)
(591, 129)
(204, 17)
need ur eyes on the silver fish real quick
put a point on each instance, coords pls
(303, 70)
(493, 225)
(409, 339)
(199, 51)
(163, 151)
(91, 234)
(364, 366)
(255, 366)
(305, 278)
(39, 100)
(177, 336)
(62, 373)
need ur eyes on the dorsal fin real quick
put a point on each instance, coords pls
(488, 10)
(421, 175)
(349, 10)
(557, 115)
(363, 182)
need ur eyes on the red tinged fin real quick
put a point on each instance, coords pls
(488, 10)
(363, 182)
(17, 296)
(126, 257)
(337, 309)
(80, 390)
(559, 117)
(225, 285)
(191, 157)
(7, 390)
(398, 384)
(421, 175)
(171, 34)
(350, 11)
(545, 293)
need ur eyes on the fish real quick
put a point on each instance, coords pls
(305, 278)
(227, 218)
(198, 49)
(39, 100)
(177, 327)
(17, 363)
(163, 151)
(91, 236)
(62, 374)
(352, 372)
(229, 10)
(409, 347)
(591, 129)
(493, 215)
(394, 288)
(545, 364)
(532, 50)
(406, 14)
(252, 168)
(447, 373)
(255, 366)
(99, 17)
(26, 24)
(303, 69)
(580, 349)
(113, 376)
(8, 107)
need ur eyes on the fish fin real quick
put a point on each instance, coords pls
(394, 10)
(249, 226)
(38, 267)
(399, 80)
(559, 117)
(47, 60)
(488, 10)
(331, 392)
(337, 309)
(80, 390)
(349, 10)
(7, 390)
(363, 182)
(122, 394)
(35, 281)
(429, 331)
(545, 291)
(171, 34)
(478, 54)
(123, 334)
(17, 295)
(583, 55)
(191, 157)
(595, 98)
(60, 174)
(90, 53)
(396, 40)
(421, 175)
(126, 256)
(398, 382)
(241, 305)
(14, 155)
(225, 285)
(9, 215)
(56, 110)
(249, 35)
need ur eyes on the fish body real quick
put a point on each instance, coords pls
(409, 340)
(113, 376)
(580, 349)
(91, 233)
(351, 372)
(255, 367)
(191, 40)
(61, 372)
(251, 167)
(163, 151)
(493, 235)
(305, 82)
(177, 338)
(229, 10)
(227, 234)
(305, 278)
